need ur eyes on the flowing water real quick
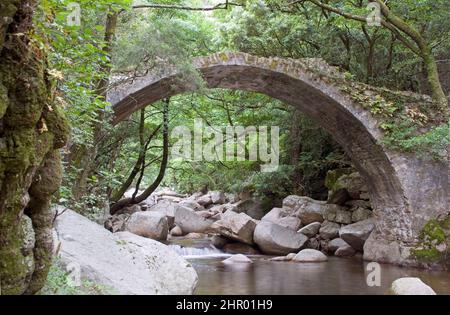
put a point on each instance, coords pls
(336, 276)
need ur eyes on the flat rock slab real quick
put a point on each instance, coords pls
(123, 263)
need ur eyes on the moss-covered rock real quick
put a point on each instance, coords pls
(434, 242)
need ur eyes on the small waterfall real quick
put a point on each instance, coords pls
(194, 252)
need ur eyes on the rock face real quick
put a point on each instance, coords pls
(275, 239)
(410, 286)
(310, 255)
(329, 230)
(356, 234)
(311, 229)
(122, 262)
(148, 224)
(189, 221)
(236, 226)
(238, 259)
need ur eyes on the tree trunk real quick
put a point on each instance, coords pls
(32, 129)
(165, 159)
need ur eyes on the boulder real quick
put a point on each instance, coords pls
(240, 248)
(361, 214)
(358, 203)
(410, 286)
(217, 197)
(204, 200)
(176, 231)
(251, 207)
(333, 245)
(238, 259)
(345, 251)
(193, 236)
(356, 234)
(306, 209)
(235, 226)
(123, 263)
(338, 197)
(219, 241)
(167, 208)
(231, 198)
(353, 183)
(278, 216)
(310, 255)
(192, 204)
(335, 213)
(311, 229)
(275, 239)
(148, 224)
(116, 223)
(189, 221)
(329, 230)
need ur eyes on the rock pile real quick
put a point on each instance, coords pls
(237, 224)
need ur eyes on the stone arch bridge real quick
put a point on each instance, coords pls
(406, 190)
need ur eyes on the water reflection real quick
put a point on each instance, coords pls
(337, 276)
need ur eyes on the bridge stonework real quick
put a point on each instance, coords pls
(406, 190)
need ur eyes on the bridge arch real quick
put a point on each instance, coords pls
(406, 191)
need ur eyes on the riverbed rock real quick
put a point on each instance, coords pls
(240, 248)
(335, 213)
(338, 197)
(334, 244)
(123, 263)
(148, 224)
(219, 241)
(116, 223)
(218, 197)
(353, 183)
(361, 214)
(410, 286)
(306, 209)
(167, 208)
(311, 229)
(194, 236)
(238, 259)
(345, 251)
(356, 234)
(189, 221)
(129, 210)
(235, 226)
(176, 231)
(275, 239)
(329, 230)
(251, 207)
(278, 216)
(310, 255)
(205, 200)
(192, 204)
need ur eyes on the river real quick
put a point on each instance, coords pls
(336, 276)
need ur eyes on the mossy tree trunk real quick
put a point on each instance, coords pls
(32, 129)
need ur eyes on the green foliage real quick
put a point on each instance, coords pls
(59, 282)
